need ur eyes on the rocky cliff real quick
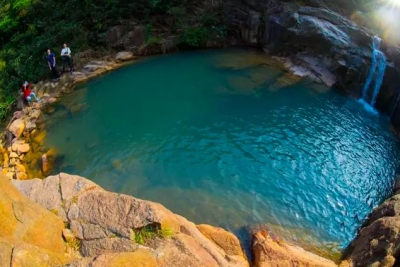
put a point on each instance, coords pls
(322, 45)
(123, 229)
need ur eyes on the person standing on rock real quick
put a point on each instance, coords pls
(51, 59)
(66, 58)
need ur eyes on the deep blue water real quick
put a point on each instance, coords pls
(227, 138)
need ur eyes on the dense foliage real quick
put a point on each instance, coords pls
(29, 27)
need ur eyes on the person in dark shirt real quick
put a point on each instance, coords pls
(51, 60)
(28, 94)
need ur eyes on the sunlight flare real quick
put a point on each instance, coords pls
(394, 2)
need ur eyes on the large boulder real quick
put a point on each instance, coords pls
(29, 234)
(107, 223)
(17, 127)
(124, 56)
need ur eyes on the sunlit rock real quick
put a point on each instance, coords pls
(124, 56)
(269, 251)
(104, 222)
(17, 127)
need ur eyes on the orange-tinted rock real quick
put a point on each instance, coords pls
(47, 161)
(23, 148)
(269, 252)
(22, 176)
(224, 239)
(32, 232)
(105, 223)
(17, 127)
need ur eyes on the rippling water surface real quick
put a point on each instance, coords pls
(226, 138)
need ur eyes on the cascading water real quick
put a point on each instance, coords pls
(376, 72)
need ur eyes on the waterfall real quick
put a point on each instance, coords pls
(376, 72)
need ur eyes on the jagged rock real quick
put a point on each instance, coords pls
(20, 168)
(378, 240)
(124, 56)
(17, 115)
(10, 175)
(390, 208)
(271, 252)
(68, 235)
(17, 127)
(104, 222)
(5, 163)
(93, 67)
(35, 114)
(22, 176)
(223, 239)
(30, 126)
(52, 100)
(48, 161)
(23, 148)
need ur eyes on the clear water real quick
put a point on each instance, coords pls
(227, 138)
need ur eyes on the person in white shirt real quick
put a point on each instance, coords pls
(66, 58)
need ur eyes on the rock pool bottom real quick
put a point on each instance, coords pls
(227, 138)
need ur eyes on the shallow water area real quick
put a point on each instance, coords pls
(228, 138)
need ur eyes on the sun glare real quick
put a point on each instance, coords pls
(394, 2)
(385, 20)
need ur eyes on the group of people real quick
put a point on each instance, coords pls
(66, 60)
(51, 60)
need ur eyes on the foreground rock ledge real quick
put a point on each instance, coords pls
(105, 225)
(102, 226)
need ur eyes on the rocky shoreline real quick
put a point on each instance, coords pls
(87, 226)
(23, 154)
(67, 220)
